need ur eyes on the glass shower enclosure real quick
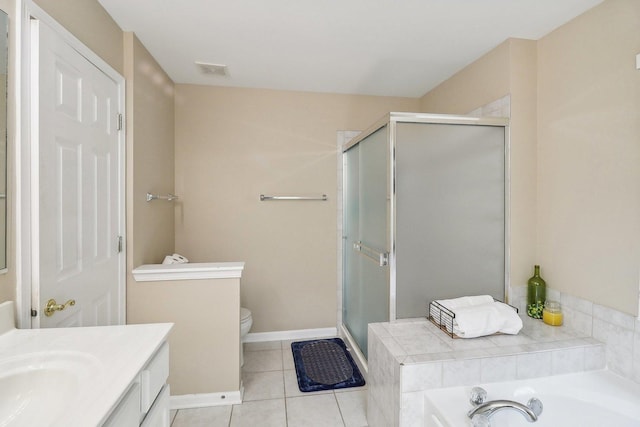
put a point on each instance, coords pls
(425, 216)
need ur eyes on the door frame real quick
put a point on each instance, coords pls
(27, 293)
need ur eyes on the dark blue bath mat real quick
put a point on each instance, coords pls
(325, 365)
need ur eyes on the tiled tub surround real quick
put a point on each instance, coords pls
(620, 332)
(410, 356)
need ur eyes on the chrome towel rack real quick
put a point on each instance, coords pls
(264, 198)
(169, 197)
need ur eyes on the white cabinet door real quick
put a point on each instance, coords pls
(127, 413)
(76, 185)
(159, 416)
(153, 377)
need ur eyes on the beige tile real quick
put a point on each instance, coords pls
(460, 372)
(420, 376)
(421, 344)
(566, 361)
(510, 340)
(262, 361)
(412, 409)
(265, 345)
(287, 359)
(286, 344)
(263, 385)
(533, 365)
(313, 411)
(353, 407)
(402, 329)
(291, 386)
(263, 413)
(498, 368)
(351, 389)
(213, 416)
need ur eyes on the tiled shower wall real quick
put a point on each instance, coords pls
(619, 331)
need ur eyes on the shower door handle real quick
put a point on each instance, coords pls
(382, 258)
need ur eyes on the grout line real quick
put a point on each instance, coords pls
(231, 415)
(286, 410)
(335, 397)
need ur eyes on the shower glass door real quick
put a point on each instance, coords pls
(450, 213)
(366, 235)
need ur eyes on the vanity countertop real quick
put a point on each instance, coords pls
(103, 362)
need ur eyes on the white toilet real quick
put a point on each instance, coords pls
(245, 325)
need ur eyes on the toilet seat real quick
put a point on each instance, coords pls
(245, 314)
(246, 321)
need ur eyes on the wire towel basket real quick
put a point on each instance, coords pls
(442, 317)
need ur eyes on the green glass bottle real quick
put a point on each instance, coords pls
(536, 294)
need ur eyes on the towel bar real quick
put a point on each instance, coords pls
(264, 198)
(169, 197)
(382, 258)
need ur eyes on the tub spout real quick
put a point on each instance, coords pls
(531, 411)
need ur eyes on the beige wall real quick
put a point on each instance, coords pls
(510, 68)
(575, 127)
(8, 280)
(89, 22)
(523, 178)
(589, 155)
(150, 165)
(204, 344)
(480, 83)
(233, 145)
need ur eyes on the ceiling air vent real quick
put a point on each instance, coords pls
(212, 69)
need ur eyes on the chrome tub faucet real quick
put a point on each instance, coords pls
(483, 410)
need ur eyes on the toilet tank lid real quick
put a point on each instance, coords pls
(245, 313)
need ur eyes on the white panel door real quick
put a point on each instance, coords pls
(76, 255)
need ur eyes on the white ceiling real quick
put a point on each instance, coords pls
(373, 47)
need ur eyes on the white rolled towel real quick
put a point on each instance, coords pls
(175, 259)
(456, 303)
(486, 319)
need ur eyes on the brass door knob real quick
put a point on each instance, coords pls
(52, 306)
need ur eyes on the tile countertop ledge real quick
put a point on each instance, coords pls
(418, 341)
(188, 271)
(110, 356)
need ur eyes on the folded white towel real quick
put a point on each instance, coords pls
(175, 259)
(469, 301)
(486, 319)
(455, 303)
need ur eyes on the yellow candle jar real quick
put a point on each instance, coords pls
(551, 314)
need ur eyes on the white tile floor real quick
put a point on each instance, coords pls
(272, 397)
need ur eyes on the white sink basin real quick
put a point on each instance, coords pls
(35, 388)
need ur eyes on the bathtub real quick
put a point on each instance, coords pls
(586, 399)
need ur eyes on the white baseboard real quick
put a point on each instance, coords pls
(291, 335)
(188, 401)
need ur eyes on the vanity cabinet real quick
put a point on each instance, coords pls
(127, 413)
(110, 376)
(146, 401)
